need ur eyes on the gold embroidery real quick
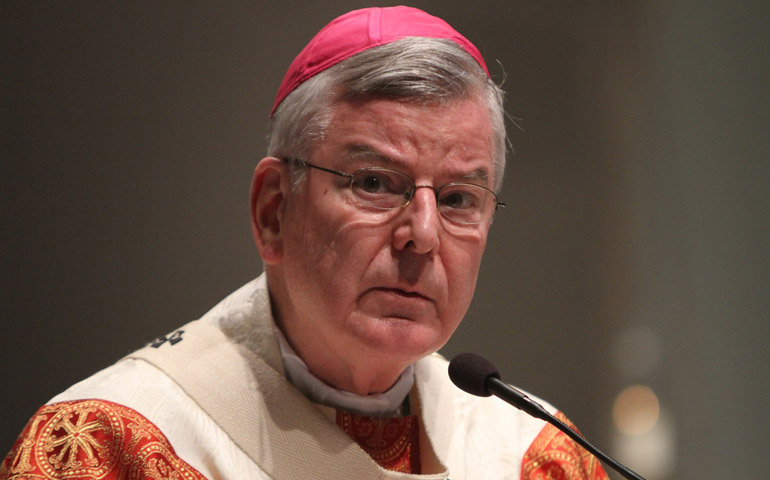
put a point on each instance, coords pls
(555, 456)
(88, 433)
(78, 438)
(21, 462)
(394, 443)
(137, 433)
(157, 469)
(93, 439)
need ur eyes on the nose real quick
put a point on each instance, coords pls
(417, 225)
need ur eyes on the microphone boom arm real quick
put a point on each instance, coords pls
(511, 395)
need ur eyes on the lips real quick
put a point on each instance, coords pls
(397, 292)
(393, 302)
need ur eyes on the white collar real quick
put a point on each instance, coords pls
(386, 404)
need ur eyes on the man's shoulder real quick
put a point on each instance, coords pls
(138, 375)
(553, 453)
(124, 382)
(94, 439)
(143, 373)
(474, 427)
(505, 437)
(122, 418)
(157, 388)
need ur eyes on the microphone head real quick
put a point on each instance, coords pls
(469, 372)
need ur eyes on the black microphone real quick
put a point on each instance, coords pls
(475, 375)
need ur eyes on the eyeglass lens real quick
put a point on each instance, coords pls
(388, 189)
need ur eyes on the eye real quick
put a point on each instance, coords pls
(380, 182)
(373, 183)
(460, 198)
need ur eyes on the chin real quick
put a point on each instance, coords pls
(407, 343)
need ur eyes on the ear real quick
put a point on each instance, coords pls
(267, 200)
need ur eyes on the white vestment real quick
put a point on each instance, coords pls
(215, 388)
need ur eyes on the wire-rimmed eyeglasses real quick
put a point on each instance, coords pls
(386, 189)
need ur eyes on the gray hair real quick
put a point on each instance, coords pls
(413, 69)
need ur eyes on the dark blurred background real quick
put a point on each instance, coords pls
(627, 282)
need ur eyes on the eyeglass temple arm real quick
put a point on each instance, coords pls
(305, 163)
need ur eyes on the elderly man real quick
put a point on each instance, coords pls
(371, 214)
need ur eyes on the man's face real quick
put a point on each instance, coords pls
(365, 287)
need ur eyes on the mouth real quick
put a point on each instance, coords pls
(393, 302)
(399, 293)
(399, 301)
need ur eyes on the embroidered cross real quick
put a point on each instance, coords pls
(173, 339)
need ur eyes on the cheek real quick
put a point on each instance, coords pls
(307, 243)
(462, 255)
(337, 247)
(462, 266)
(462, 282)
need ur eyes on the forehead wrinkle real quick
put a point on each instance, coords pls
(362, 151)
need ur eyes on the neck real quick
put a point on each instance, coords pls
(381, 404)
(359, 379)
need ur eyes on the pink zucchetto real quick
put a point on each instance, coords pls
(360, 30)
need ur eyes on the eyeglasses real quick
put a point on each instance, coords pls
(385, 189)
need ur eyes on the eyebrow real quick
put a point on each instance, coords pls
(478, 174)
(362, 151)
